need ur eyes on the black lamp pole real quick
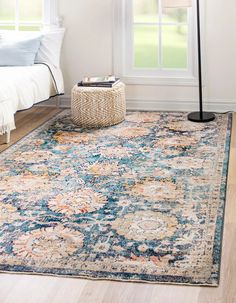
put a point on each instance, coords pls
(200, 116)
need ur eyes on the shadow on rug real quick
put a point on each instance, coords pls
(139, 201)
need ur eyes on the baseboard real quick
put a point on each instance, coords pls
(65, 101)
(169, 105)
(165, 105)
(181, 105)
(52, 102)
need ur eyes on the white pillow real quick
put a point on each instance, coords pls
(21, 53)
(50, 48)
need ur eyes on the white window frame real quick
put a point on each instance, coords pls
(123, 44)
(50, 16)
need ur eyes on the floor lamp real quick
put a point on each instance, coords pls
(199, 116)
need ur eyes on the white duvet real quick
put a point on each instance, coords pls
(23, 86)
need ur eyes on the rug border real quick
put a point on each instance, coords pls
(227, 157)
(33, 273)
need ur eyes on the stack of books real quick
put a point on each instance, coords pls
(107, 81)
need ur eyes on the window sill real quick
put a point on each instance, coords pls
(160, 81)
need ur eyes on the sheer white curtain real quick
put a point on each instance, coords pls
(177, 3)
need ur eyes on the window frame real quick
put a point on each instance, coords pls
(122, 43)
(50, 17)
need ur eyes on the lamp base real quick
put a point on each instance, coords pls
(201, 117)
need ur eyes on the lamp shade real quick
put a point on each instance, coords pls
(177, 3)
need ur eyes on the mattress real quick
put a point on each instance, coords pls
(23, 86)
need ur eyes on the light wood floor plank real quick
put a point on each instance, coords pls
(26, 121)
(42, 289)
(226, 292)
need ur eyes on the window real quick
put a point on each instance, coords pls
(153, 41)
(25, 15)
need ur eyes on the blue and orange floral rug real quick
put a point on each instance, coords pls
(139, 201)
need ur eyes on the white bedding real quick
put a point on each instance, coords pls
(23, 86)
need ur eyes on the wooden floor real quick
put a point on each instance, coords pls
(41, 289)
(28, 120)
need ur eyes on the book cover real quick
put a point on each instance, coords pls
(100, 84)
(93, 80)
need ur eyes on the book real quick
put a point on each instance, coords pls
(100, 84)
(98, 80)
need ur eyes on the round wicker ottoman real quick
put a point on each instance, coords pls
(93, 107)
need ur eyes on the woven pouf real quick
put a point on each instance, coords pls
(93, 107)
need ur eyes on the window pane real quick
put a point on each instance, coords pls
(176, 15)
(30, 28)
(30, 10)
(146, 46)
(7, 28)
(175, 46)
(145, 11)
(7, 10)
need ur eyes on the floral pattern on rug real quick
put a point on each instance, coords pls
(139, 201)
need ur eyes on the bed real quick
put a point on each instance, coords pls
(23, 86)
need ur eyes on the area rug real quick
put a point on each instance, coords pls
(140, 201)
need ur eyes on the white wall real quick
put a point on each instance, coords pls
(87, 50)
(221, 49)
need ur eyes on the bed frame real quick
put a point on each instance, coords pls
(8, 137)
